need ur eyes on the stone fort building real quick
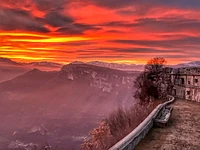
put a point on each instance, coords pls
(186, 83)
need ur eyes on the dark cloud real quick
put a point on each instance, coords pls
(80, 43)
(114, 31)
(16, 3)
(67, 25)
(17, 19)
(175, 24)
(181, 3)
(135, 50)
(19, 12)
(144, 50)
(172, 36)
(42, 5)
(70, 30)
(116, 4)
(100, 57)
(50, 5)
(58, 20)
(76, 28)
(136, 10)
(58, 5)
(159, 25)
(127, 12)
(113, 3)
(118, 24)
(176, 43)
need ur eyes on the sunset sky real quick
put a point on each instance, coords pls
(130, 31)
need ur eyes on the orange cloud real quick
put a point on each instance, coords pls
(115, 31)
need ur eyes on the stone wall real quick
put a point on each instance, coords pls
(132, 139)
(186, 83)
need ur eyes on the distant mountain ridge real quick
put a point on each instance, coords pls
(129, 67)
(8, 61)
(190, 64)
(42, 63)
(46, 63)
(10, 69)
(118, 66)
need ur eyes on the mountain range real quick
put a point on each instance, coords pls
(186, 65)
(60, 107)
(125, 67)
(10, 69)
(49, 103)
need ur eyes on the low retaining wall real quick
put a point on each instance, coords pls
(132, 139)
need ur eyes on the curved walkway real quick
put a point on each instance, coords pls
(182, 132)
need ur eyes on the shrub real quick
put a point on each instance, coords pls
(149, 83)
(116, 126)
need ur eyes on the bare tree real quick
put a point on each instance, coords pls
(148, 83)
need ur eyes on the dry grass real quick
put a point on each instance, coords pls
(181, 133)
(117, 126)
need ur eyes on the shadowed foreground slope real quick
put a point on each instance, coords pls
(182, 132)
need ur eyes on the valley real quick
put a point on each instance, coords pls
(60, 108)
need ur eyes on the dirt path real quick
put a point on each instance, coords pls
(182, 132)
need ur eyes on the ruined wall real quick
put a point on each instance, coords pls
(193, 94)
(197, 81)
(189, 80)
(196, 95)
(178, 91)
(186, 83)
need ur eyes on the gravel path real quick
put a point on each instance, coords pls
(182, 132)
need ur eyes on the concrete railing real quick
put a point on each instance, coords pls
(132, 139)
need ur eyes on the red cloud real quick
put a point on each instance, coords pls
(117, 30)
